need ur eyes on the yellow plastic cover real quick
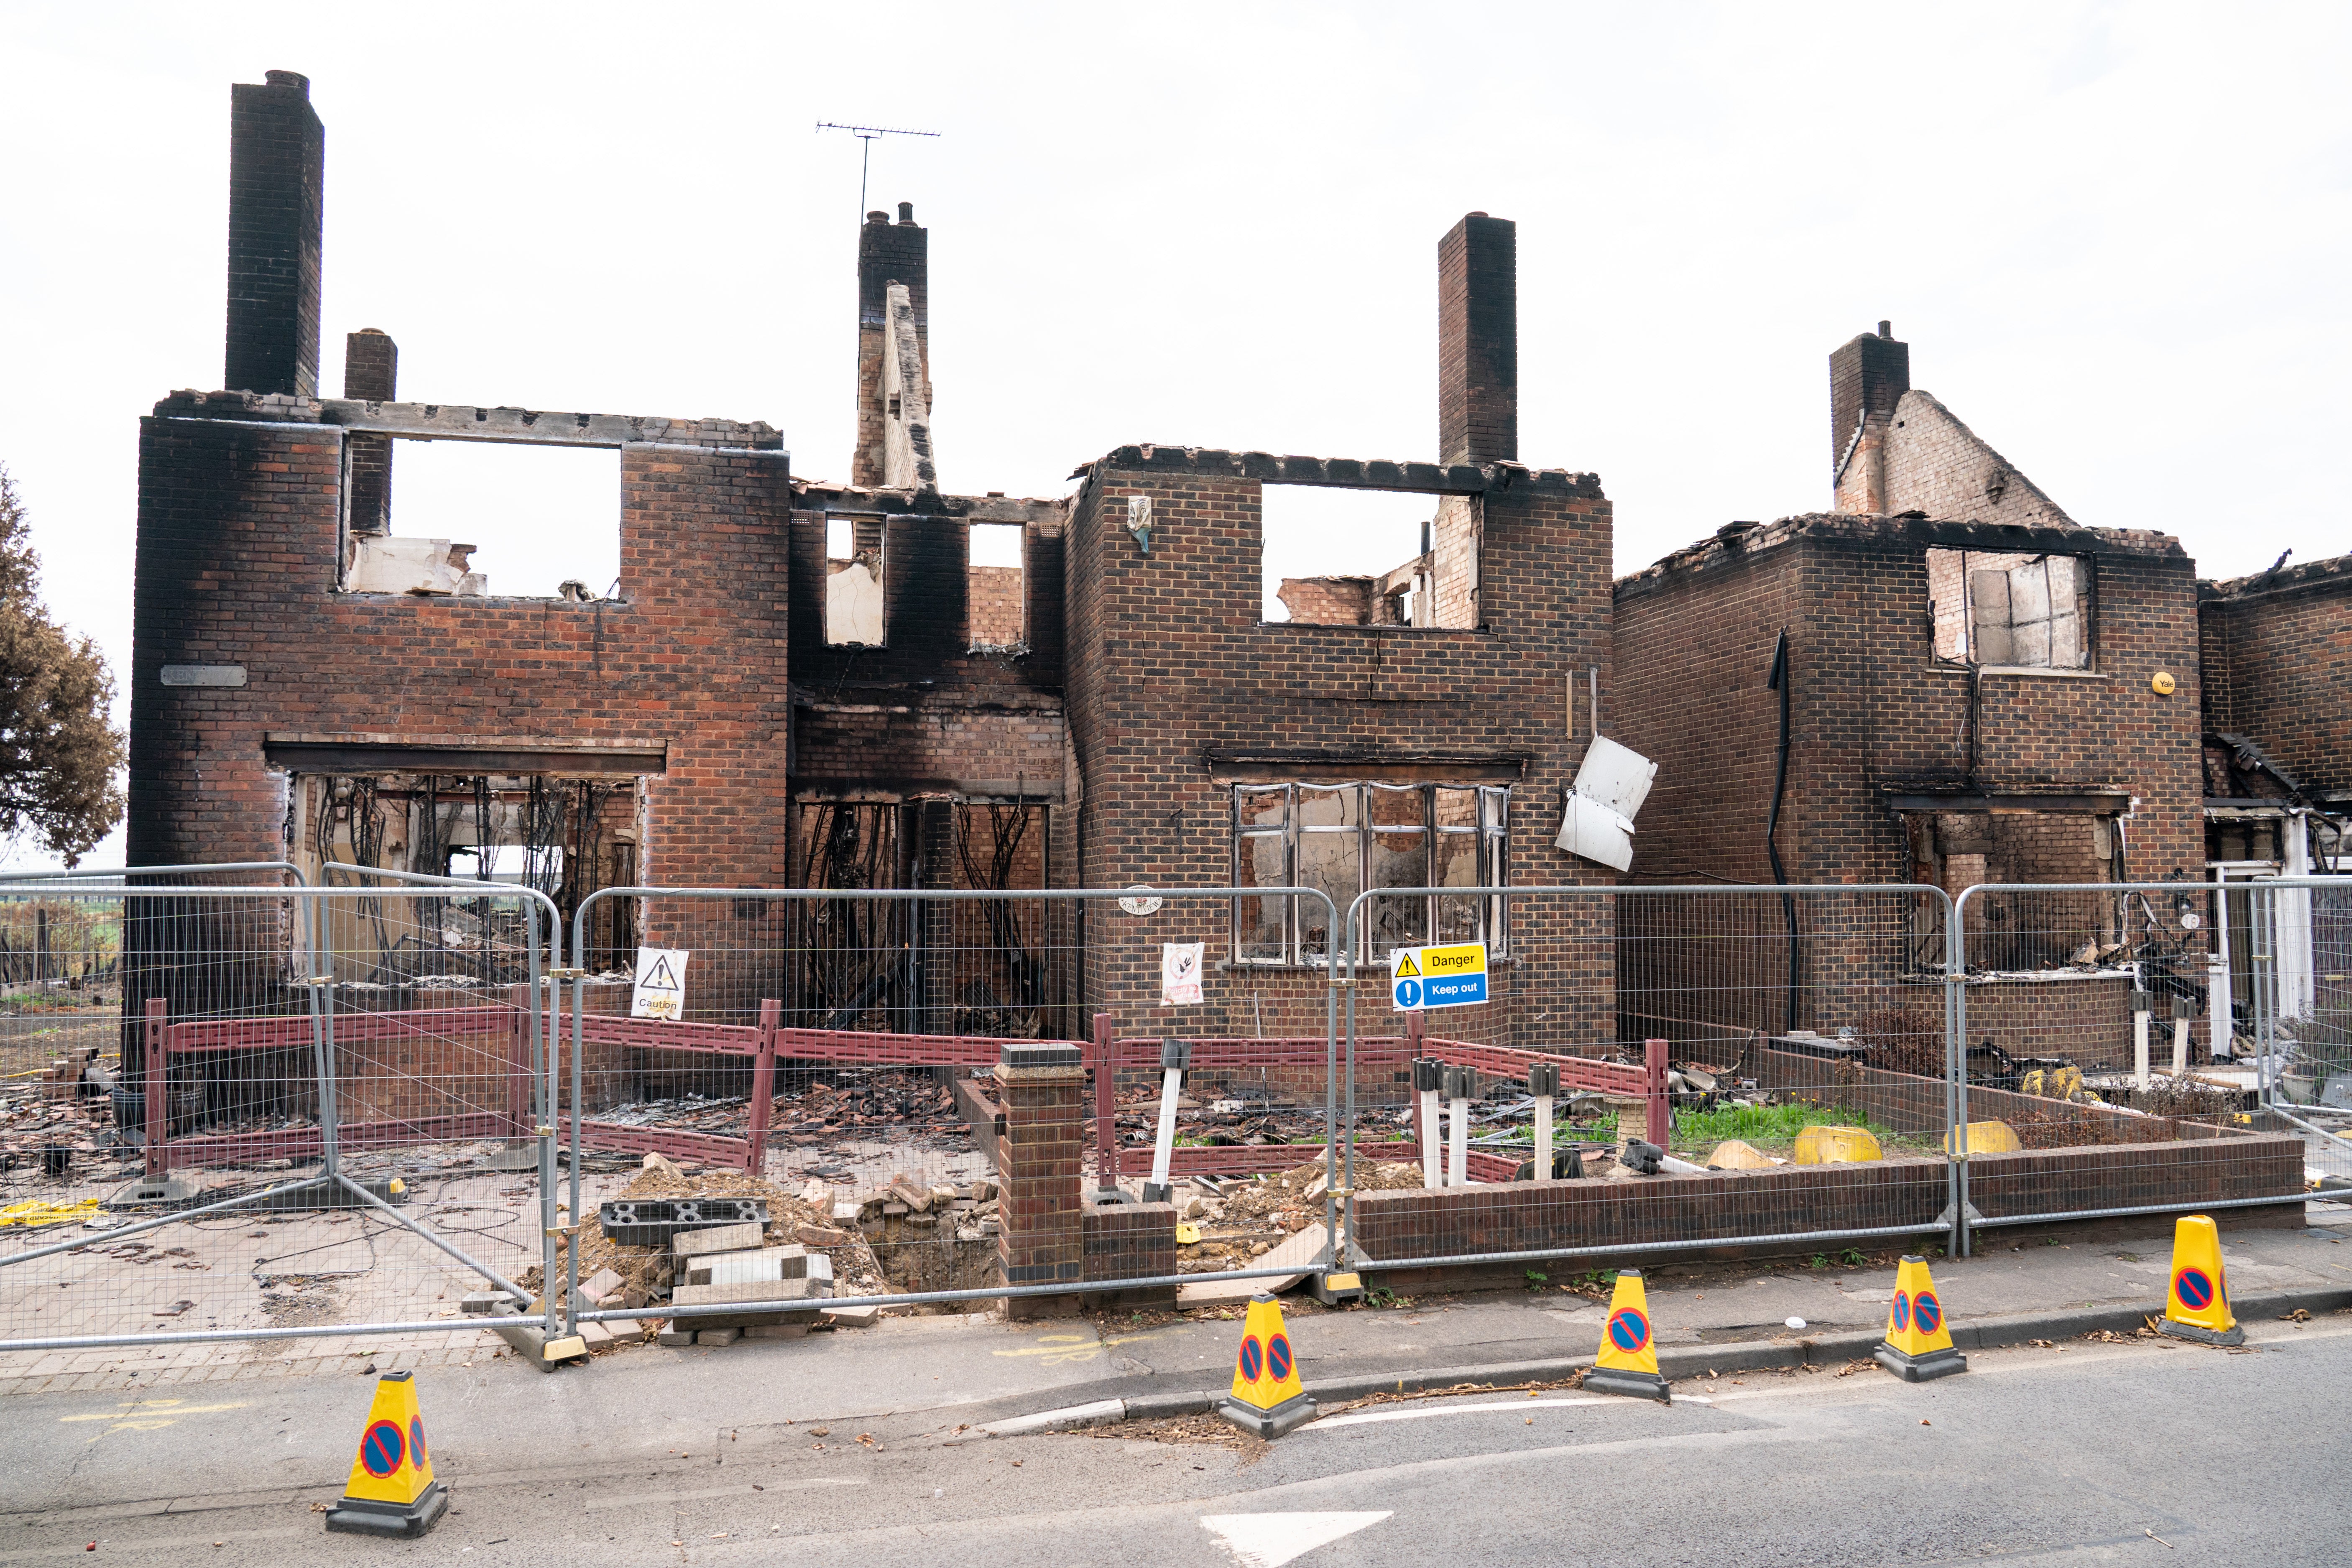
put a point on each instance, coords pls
(1984, 1138)
(1836, 1146)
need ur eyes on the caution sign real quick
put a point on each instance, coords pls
(661, 983)
(1421, 978)
(391, 1491)
(1179, 972)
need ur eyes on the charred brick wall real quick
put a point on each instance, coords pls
(1173, 675)
(2279, 649)
(236, 564)
(1874, 714)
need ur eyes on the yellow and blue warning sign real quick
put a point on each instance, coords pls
(1628, 1362)
(1421, 978)
(391, 1491)
(1266, 1397)
(1919, 1345)
(2198, 1305)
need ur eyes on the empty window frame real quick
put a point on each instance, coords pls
(995, 607)
(2030, 612)
(476, 519)
(1344, 838)
(853, 569)
(1368, 558)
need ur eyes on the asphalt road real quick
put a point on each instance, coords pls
(2094, 1453)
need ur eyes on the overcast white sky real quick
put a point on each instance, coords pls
(2115, 237)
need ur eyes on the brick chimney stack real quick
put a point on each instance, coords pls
(277, 186)
(887, 253)
(1868, 376)
(1478, 342)
(370, 374)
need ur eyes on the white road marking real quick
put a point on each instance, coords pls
(636, 1500)
(1271, 1540)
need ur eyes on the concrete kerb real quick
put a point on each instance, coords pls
(1676, 1361)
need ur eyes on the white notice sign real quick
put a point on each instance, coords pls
(1180, 974)
(661, 983)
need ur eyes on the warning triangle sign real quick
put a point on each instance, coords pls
(659, 978)
(1407, 969)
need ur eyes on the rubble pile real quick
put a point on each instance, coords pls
(1254, 1214)
(1218, 1121)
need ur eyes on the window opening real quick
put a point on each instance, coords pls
(1368, 558)
(2026, 931)
(475, 517)
(993, 587)
(853, 582)
(1342, 839)
(2018, 610)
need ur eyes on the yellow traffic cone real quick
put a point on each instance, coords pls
(1266, 1397)
(2198, 1306)
(391, 1491)
(1918, 1343)
(1629, 1355)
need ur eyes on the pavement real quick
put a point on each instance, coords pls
(152, 1440)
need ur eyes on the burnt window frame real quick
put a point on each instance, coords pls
(1491, 831)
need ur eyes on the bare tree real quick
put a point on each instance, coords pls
(60, 759)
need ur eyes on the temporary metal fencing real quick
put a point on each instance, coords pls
(286, 1114)
(303, 1049)
(1715, 1022)
(841, 1039)
(2113, 1026)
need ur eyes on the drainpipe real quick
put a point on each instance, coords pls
(1779, 682)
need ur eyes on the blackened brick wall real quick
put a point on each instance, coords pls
(235, 564)
(277, 161)
(1873, 713)
(1867, 374)
(1171, 667)
(2283, 646)
(1478, 342)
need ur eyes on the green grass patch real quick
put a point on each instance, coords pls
(1768, 1123)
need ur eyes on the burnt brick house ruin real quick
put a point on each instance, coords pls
(1973, 688)
(874, 684)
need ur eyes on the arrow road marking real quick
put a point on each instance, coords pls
(1271, 1540)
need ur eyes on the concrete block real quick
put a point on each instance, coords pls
(677, 1339)
(770, 1263)
(853, 1316)
(750, 1290)
(716, 1336)
(596, 1336)
(777, 1331)
(719, 1238)
(599, 1285)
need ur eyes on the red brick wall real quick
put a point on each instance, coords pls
(235, 564)
(1170, 663)
(2281, 659)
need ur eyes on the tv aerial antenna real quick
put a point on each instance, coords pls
(866, 136)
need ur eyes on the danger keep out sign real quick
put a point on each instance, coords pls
(1424, 977)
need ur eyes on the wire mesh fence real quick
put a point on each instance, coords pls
(2120, 1064)
(230, 1117)
(1660, 1068)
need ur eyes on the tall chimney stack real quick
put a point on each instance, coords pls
(276, 181)
(1868, 376)
(887, 253)
(1478, 342)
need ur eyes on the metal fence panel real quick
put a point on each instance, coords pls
(264, 1111)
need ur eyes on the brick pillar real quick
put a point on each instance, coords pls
(1040, 1236)
(370, 374)
(1478, 342)
(276, 194)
